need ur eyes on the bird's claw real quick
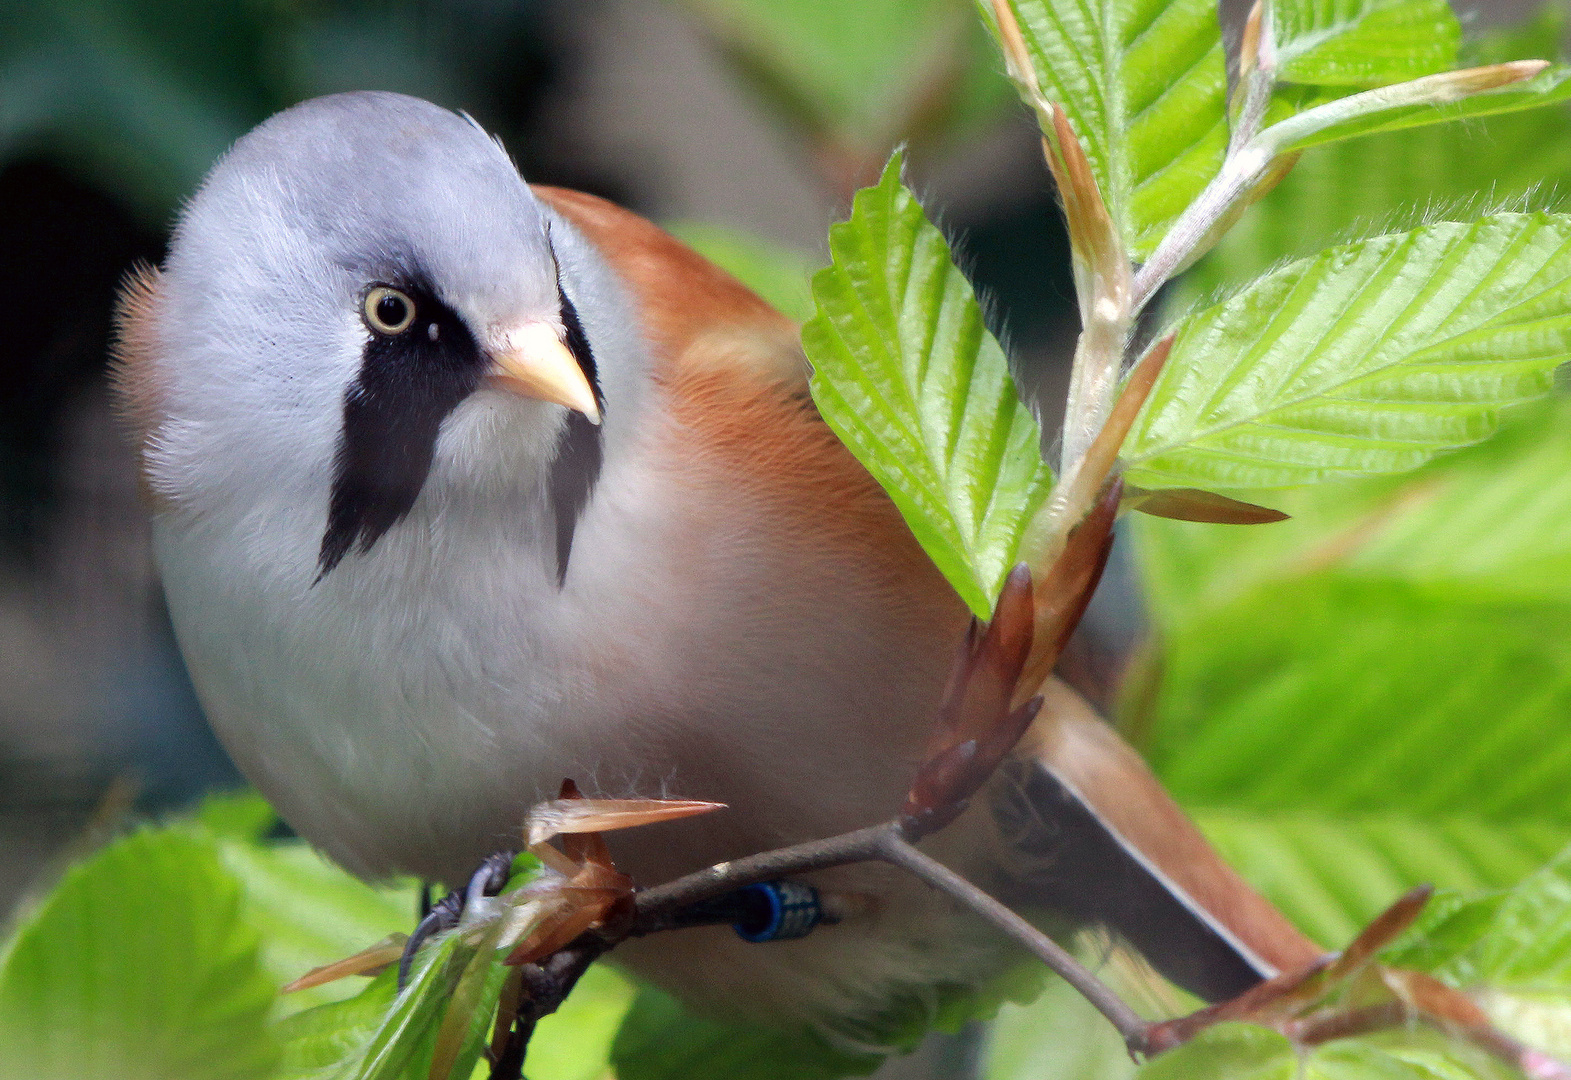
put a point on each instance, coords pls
(487, 880)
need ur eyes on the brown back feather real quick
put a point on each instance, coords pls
(693, 313)
(1087, 754)
(735, 382)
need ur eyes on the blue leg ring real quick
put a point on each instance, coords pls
(778, 911)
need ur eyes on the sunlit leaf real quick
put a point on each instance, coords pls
(1368, 358)
(1331, 873)
(1414, 1054)
(1492, 521)
(324, 1042)
(1398, 180)
(138, 966)
(1392, 642)
(311, 912)
(1058, 1035)
(236, 815)
(1497, 522)
(1385, 182)
(378, 1035)
(910, 379)
(1352, 695)
(1363, 42)
(1529, 946)
(1511, 950)
(1145, 89)
(470, 1012)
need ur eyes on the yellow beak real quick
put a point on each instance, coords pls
(531, 360)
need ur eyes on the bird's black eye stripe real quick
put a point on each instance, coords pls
(578, 344)
(393, 413)
(580, 450)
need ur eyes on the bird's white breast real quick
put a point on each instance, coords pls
(406, 709)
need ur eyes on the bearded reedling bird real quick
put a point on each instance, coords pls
(461, 487)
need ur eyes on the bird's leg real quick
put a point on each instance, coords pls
(768, 911)
(487, 880)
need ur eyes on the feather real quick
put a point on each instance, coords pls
(580, 450)
(692, 312)
(1097, 837)
(133, 374)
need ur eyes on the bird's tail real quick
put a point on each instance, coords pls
(1092, 835)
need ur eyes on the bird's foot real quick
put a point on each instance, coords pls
(488, 880)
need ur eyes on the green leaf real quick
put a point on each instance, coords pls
(440, 1023)
(398, 1046)
(1444, 935)
(1401, 1055)
(470, 1011)
(321, 1043)
(1511, 950)
(1529, 946)
(1351, 695)
(1144, 86)
(659, 1040)
(1059, 1035)
(909, 378)
(1369, 358)
(236, 815)
(1245, 1052)
(1495, 523)
(1332, 873)
(1363, 42)
(775, 272)
(138, 965)
(1226, 1052)
(1399, 180)
(1492, 521)
(310, 912)
(574, 1043)
(1385, 183)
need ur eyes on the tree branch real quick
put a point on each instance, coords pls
(657, 908)
(1130, 1025)
(547, 984)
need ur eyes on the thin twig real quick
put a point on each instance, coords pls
(657, 907)
(545, 986)
(1130, 1025)
(1079, 488)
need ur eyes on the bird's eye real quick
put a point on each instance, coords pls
(388, 310)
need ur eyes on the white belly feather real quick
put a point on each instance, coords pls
(405, 711)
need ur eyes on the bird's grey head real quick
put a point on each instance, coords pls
(359, 275)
